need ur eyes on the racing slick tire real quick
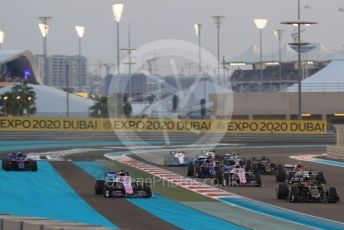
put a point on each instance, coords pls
(248, 165)
(6, 165)
(197, 172)
(258, 179)
(320, 178)
(282, 191)
(190, 169)
(332, 196)
(99, 187)
(147, 188)
(293, 194)
(280, 174)
(219, 177)
(33, 166)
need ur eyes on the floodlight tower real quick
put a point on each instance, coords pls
(2, 38)
(260, 24)
(117, 10)
(80, 30)
(298, 23)
(44, 28)
(218, 20)
(198, 34)
(278, 35)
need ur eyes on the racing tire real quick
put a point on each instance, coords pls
(190, 169)
(282, 191)
(34, 166)
(148, 190)
(7, 165)
(258, 179)
(99, 187)
(280, 174)
(248, 165)
(293, 193)
(332, 196)
(219, 177)
(320, 178)
(197, 172)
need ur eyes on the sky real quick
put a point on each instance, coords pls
(163, 19)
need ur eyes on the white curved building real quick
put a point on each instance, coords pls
(52, 102)
(20, 63)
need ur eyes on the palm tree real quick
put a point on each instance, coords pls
(24, 98)
(100, 108)
(127, 109)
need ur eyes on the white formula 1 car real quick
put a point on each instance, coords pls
(177, 158)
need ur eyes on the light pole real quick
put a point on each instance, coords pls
(198, 34)
(44, 28)
(2, 38)
(80, 30)
(198, 28)
(18, 99)
(299, 44)
(29, 100)
(67, 86)
(5, 106)
(117, 10)
(260, 24)
(278, 35)
(218, 20)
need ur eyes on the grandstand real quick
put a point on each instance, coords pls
(246, 76)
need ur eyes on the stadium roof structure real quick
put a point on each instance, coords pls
(328, 79)
(319, 53)
(52, 102)
(22, 62)
(312, 52)
(287, 55)
(249, 56)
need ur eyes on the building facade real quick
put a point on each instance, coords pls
(134, 86)
(61, 68)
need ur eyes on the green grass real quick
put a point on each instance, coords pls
(161, 186)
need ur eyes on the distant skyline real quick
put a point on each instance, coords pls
(153, 20)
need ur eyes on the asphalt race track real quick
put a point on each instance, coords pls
(119, 211)
(267, 193)
(127, 215)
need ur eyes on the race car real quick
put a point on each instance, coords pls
(287, 172)
(208, 153)
(121, 185)
(177, 159)
(305, 187)
(19, 162)
(231, 159)
(203, 167)
(263, 165)
(238, 176)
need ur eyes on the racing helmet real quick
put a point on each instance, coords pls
(122, 173)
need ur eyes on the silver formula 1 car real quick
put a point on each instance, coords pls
(177, 158)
